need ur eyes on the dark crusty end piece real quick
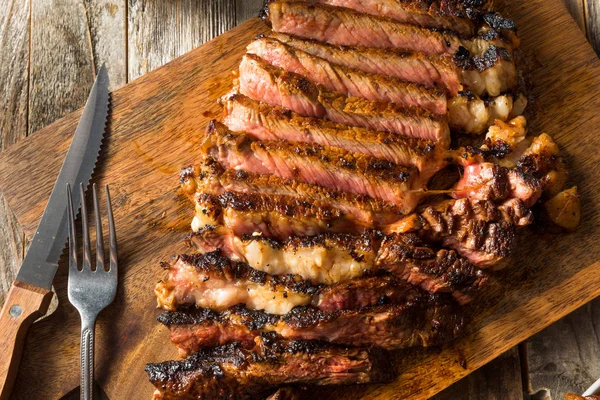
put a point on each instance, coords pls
(233, 372)
(427, 320)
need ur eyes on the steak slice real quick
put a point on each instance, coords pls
(318, 209)
(273, 216)
(490, 181)
(326, 258)
(430, 320)
(444, 15)
(336, 258)
(348, 81)
(234, 372)
(264, 82)
(466, 18)
(215, 282)
(489, 74)
(266, 122)
(344, 27)
(315, 164)
(479, 230)
(442, 271)
(366, 292)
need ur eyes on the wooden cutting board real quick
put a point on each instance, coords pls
(155, 127)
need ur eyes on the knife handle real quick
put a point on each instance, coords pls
(25, 303)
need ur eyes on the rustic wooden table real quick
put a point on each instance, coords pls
(49, 52)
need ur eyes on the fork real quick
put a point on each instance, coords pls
(90, 291)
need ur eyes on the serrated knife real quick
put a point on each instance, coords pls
(30, 294)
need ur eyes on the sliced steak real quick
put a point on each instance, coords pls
(209, 179)
(273, 216)
(266, 122)
(213, 281)
(264, 82)
(489, 181)
(426, 321)
(466, 18)
(348, 81)
(335, 258)
(345, 27)
(444, 15)
(442, 271)
(479, 230)
(489, 74)
(366, 292)
(315, 164)
(326, 258)
(233, 372)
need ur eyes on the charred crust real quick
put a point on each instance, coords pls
(462, 58)
(286, 205)
(186, 173)
(490, 57)
(214, 265)
(264, 13)
(498, 22)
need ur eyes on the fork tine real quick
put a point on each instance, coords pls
(112, 235)
(72, 230)
(99, 239)
(87, 252)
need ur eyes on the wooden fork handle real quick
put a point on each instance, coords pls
(25, 303)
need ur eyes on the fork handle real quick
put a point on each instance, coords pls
(25, 303)
(88, 325)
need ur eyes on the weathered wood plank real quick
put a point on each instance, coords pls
(61, 60)
(246, 9)
(159, 31)
(577, 10)
(500, 379)
(12, 242)
(564, 356)
(592, 9)
(107, 31)
(14, 69)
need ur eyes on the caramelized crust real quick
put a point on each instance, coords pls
(348, 81)
(314, 164)
(263, 82)
(233, 372)
(429, 320)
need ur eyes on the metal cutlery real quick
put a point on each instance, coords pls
(30, 294)
(90, 290)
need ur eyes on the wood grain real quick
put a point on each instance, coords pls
(247, 9)
(14, 68)
(577, 10)
(61, 60)
(564, 356)
(592, 9)
(12, 245)
(14, 79)
(24, 304)
(106, 26)
(159, 31)
(155, 127)
(500, 379)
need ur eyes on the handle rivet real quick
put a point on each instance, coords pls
(15, 311)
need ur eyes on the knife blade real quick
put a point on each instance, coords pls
(31, 293)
